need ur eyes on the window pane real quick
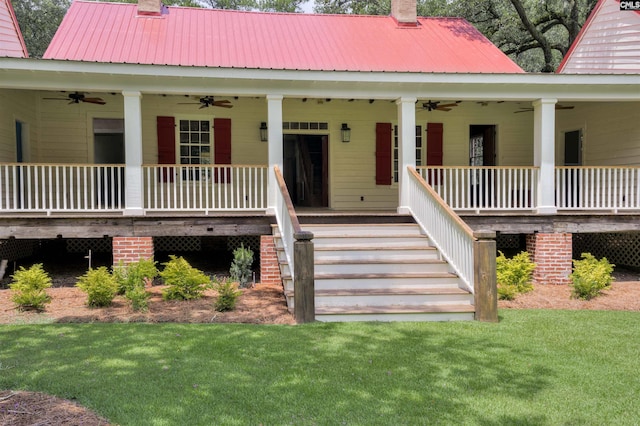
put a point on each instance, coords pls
(205, 149)
(184, 125)
(195, 151)
(184, 151)
(195, 126)
(195, 137)
(204, 138)
(204, 126)
(184, 137)
(184, 160)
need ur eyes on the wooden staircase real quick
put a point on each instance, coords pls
(379, 272)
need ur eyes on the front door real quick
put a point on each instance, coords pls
(482, 152)
(306, 169)
(572, 158)
(108, 148)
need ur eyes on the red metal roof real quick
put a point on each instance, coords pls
(110, 32)
(11, 42)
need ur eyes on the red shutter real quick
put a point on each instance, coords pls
(434, 150)
(166, 127)
(222, 145)
(384, 174)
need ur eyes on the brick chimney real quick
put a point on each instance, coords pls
(405, 12)
(150, 7)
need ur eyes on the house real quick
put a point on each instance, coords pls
(146, 122)
(11, 41)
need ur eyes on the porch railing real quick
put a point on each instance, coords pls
(484, 188)
(204, 187)
(58, 187)
(597, 188)
(447, 231)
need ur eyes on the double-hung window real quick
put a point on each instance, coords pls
(395, 156)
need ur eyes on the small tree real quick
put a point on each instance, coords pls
(101, 287)
(514, 275)
(590, 276)
(241, 266)
(228, 295)
(185, 282)
(28, 288)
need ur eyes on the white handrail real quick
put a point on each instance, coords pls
(484, 188)
(205, 187)
(442, 225)
(287, 220)
(61, 187)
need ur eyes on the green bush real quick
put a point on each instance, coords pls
(241, 266)
(514, 275)
(590, 276)
(133, 279)
(185, 282)
(101, 287)
(28, 288)
(228, 295)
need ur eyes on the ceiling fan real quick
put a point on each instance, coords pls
(207, 101)
(530, 109)
(77, 97)
(436, 106)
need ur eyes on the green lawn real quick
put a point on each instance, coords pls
(533, 368)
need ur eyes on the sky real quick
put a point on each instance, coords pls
(307, 6)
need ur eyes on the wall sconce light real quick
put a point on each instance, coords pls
(346, 133)
(264, 134)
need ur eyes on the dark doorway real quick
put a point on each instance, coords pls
(108, 148)
(482, 152)
(306, 169)
(572, 158)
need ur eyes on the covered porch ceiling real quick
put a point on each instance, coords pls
(34, 74)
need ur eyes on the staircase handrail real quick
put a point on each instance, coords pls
(447, 231)
(298, 249)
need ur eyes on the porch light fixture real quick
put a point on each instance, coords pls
(346, 133)
(264, 135)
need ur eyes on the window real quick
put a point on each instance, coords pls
(419, 150)
(195, 141)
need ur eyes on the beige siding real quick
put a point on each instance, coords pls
(611, 135)
(610, 43)
(69, 135)
(17, 106)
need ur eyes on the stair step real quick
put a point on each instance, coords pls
(395, 313)
(378, 266)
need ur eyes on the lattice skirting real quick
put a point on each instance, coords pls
(83, 245)
(249, 241)
(177, 244)
(14, 249)
(621, 249)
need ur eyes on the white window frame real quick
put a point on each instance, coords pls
(420, 150)
(189, 145)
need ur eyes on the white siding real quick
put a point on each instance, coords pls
(610, 43)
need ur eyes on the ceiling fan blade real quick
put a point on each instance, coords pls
(524, 110)
(98, 101)
(448, 105)
(56, 99)
(564, 107)
(222, 105)
(443, 109)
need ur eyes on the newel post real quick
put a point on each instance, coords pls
(303, 284)
(484, 277)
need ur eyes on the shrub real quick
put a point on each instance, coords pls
(590, 276)
(514, 275)
(28, 288)
(228, 294)
(132, 280)
(101, 287)
(241, 266)
(185, 282)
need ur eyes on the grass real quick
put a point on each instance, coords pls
(533, 368)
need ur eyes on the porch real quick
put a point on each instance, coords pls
(54, 189)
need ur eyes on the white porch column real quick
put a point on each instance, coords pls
(544, 125)
(133, 153)
(276, 156)
(406, 148)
